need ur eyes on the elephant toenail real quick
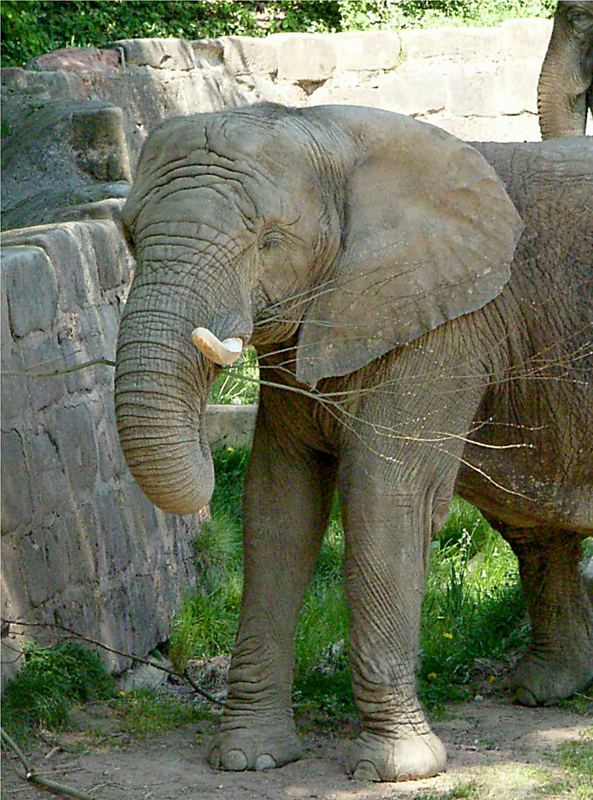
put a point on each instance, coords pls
(214, 757)
(525, 697)
(234, 760)
(366, 771)
(265, 761)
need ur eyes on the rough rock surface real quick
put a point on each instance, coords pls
(81, 545)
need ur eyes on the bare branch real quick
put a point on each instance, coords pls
(95, 362)
(32, 776)
(184, 676)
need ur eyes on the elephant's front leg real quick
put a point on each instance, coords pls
(388, 520)
(288, 496)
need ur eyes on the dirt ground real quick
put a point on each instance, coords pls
(496, 751)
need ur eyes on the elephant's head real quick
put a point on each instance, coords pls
(357, 229)
(565, 88)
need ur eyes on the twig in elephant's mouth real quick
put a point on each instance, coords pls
(338, 413)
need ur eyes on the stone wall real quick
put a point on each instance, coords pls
(478, 83)
(81, 545)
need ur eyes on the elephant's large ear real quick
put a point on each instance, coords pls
(429, 234)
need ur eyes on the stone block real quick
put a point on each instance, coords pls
(516, 86)
(525, 38)
(72, 429)
(60, 538)
(208, 52)
(472, 91)
(113, 259)
(169, 54)
(32, 553)
(511, 128)
(17, 504)
(416, 92)
(249, 55)
(230, 426)
(45, 356)
(78, 58)
(460, 45)
(99, 142)
(13, 78)
(260, 89)
(366, 50)
(304, 56)
(48, 480)
(31, 289)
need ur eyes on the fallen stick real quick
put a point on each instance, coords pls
(31, 776)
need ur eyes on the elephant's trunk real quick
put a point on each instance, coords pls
(161, 386)
(562, 88)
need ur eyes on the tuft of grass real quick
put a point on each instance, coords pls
(473, 605)
(147, 711)
(577, 756)
(473, 608)
(463, 791)
(579, 703)
(206, 622)
(52, 681)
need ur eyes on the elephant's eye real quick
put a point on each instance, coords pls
(579, 19)
(270, 241)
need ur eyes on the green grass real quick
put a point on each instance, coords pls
(52, 681)
(464, 791)
(237, 385)
(143, 712)
(473, 606)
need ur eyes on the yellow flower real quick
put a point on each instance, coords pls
(448, 635)
(122, 694)
(431, 676)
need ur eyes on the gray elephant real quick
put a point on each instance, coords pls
(565, 88)
(367, 257)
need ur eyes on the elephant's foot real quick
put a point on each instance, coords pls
(254, 743)
(539, 681)
(375, 758)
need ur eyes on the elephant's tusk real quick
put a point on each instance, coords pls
(223, 353)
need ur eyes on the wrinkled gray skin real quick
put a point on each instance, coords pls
(565, 88)
(367, 255)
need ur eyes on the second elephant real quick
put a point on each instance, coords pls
(565, 88)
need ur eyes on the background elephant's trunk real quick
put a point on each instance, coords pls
(161, 386)
(562, 87)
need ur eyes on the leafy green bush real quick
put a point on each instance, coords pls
(51, 682)
(33, 27)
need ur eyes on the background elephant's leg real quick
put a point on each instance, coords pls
(388, 525)
(559, 661)
(288, 496)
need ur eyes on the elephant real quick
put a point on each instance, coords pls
(565, 87)
(422, 310)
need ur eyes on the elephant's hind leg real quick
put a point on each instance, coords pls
(559, 661)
